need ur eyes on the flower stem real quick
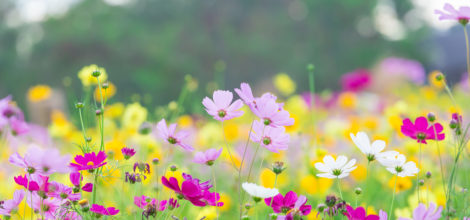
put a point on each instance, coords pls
(393, 197)
(468, 54)
(241, 168)
(228, 148)
(440, 164)
(215, 193)
(339, 188)
(83, 129)
(417, 174)
(274, 186)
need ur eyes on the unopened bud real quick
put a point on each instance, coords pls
(245, 217)
(145, 128)
(173, 168)
(98, 112)
(247, 206)
(96, 73)
(421, 183)
(453, 124)
(358, 191)
(278, 167)
(310, 67)
(155, 161)
(439, 76)
(431, 117)
(321, 207)
(79, 105)
(105, 85)
(428, 174)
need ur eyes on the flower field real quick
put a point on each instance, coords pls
(392, 143)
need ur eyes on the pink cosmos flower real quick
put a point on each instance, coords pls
(101, 210)
(421, 213)
(10, 206)
(421, 131)
(246, 94)
(36, 182)
(127, 152)
(300, 209)
(409, 69)
(284, 204)
(358, 214)
(11, 116)
(272, 138)
(63, 192)
(208, 157)
(89, 161)
(271, 113)
(75, 178)
(48, 206)
(42, 161)
(143, 201)
(450, 13)
(169, 135)
(221, 107)
(356, 81)
(18, 127)
(88, 187)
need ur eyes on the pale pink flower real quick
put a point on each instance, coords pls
(208, 157)
(221, 107)
(170, 135)
(12, 205)
(272, 113)
(450, 13)
(272, 138)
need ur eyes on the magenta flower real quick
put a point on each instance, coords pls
(42, 161)
(221, 107)
(450, 13)
(356, 81)
(421, 213)
(89, 161)
(208, 157)
(36, 182)
(24, 181)
(63, 192)
(284, 204)
(272, 138)
(75, 178)
(143, 201)
(169, 135)
(88, 187)
(127, 152)
(101, 210)
(358, 214)
(10, 206)
(299, 210)
(18, 127)
(271, 113)
(421, 131)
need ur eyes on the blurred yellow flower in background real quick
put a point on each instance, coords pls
(231, 131)
(359, 173)
(403, 183)
(85, 75)
(284, 84)
(114, 110)
(347, 100)
(185, 121)
(313, 185)
(107, 93)
(267, 178)
(39, 93)
(433, 81)
(134, 116)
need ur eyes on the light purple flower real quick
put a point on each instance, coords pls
(421, 213)
(246, 94)
(409, 69)
(272, 138)
(271, 113)
(450, 13)
(12, 205)
(63, 192)
(221, 107)
(170, 135)
(48, 206)
(208, 157)
(42, 161)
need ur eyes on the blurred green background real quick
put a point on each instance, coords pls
(148, 46)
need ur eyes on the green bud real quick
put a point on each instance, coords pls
(79, 105)
(358, 191)
(96, 73)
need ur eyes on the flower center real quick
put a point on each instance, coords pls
(90, 163)
(267, 121)
(222, 113)
(210, 162)
(172, 140)
(45, 208)
(421, 136)
(266, 140)
(285, 209)
(399, 169)
(63, 195)
(31, 170)
(370, 157)
(337, 172)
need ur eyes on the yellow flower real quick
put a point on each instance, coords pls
(225, 198)
(60, 126)
(185, 121)
(267, 178)
(85, 75)
(403, 183)
(114, 110)
(284, 84)
(359, 173)
(107, 93)
(134, 116)
(231, 131)
(114, 147)
(347, 100)
(312, 185)
(433, 81)
(209, 213)
(39, 93)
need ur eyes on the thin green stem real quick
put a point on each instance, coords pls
(440, 164)
(240, 170)
(339, 188)
(393, 197)
(449, 92)
(83, 128)
(417, 174)
(254, 156)
(228, 147)
(274, 186)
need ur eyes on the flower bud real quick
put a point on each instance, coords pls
(310, 67)
(88, 139)
(98, 112)
(431, 117)
(330, 200)
(96, 73)
(245, 217)
(453, 124)
(321, 207)
(439, 76)
(79, 105)
(421, 183)
(273, 216)
(155, 161)
(173, 168)
(105, 85)
(278, 167)
(145, 128)
(358, 191)
(247, 206)
(428, 174)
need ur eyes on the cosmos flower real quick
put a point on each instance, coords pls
(10, 206)
(48, 206)
(246, 94)
(259, 191)
(207, 157)
(75, 178)
(421, 131)
(284, 204)
(271, 113)
(272, 138)
(421, 213)
(101, 210)
(356, 81)
(42, 161)
(63, 192)
(143, 201)
(299, 209)
(170, 136)
(88, 187)
(461, 14)
(396, 164)
(89, 161)
(339, 168)
(12, 116)
(127, 152)
(221, 107)
(358, 214)
(192, 190)
(371, 150)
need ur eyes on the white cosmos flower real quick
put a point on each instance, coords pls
(371, 150)
(335, 169)
(259, 191)
(396, 164)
